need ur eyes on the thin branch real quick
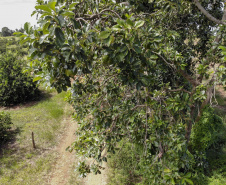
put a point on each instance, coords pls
(109, 10)
(138, 106)
(171, 65)
(207, 14)
(176, 90)
(146, 124)
(193, 81)
(80, 18)
(183, 73)
(100, 14)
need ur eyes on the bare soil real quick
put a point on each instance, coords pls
(62, 169)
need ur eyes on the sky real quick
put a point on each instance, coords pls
(14, 13)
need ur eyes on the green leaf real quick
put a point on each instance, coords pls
(167, 177)
(42, 38)
(60, 20)
(172, 181)
(188, 175)
(116, 28)
(111, 40)
(46, 14)
(139, 24)
(44, 8)
(104, 34)
(137, 49)
(222, 47)
(130, 22)
(18, 34)
(52, 5)
(120, 22)
(72, 5)
(27, 27)
(189, 181)
(68, 14)
(24, 40)
(158, 39)
(45, 28)
(59, 36)
(154, 57)
(121, 56)
(167, 170)
(37, 78)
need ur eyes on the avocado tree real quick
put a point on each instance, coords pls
(16, 86)
(143, 71)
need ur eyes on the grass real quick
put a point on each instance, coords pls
(19, 162)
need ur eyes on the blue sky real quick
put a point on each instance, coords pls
(14, 13)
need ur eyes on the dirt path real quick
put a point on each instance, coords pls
(63, 167)
(62, 170)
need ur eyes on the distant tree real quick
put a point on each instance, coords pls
(7, 32)
(20, 30)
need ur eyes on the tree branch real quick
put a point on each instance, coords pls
(137, 106)
(176, 90)
(171, 65)
(183, 73)
(207, 14)
(188, 77)
(109, 10)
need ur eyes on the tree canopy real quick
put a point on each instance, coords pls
(143, 71)
(6, 32)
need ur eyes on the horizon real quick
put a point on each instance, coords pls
(15, 13)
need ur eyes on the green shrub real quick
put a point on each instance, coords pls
(15, 86)
(128, 167)
(11, 44)
(3, 43)
(207, 140)
(5, 125)
(206, 131)
(124, 165)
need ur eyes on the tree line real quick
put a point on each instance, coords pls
(6, 32)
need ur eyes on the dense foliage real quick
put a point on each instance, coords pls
(12, 44)
(15, 85)
(206, 131)
(143, 72)
(5, 125)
